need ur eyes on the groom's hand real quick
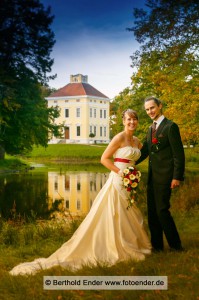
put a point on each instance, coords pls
(175, 183)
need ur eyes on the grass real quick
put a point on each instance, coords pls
(64, 152)
(26, 241)
(73, 156)
(192, 157)
(12, 162)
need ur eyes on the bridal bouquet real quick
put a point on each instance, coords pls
(131, 178)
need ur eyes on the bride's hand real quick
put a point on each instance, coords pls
(120, 173)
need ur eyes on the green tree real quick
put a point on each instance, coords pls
(166, 65)
(128, 99)
(119, 104)
(26, 42)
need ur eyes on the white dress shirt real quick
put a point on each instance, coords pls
(159, 120)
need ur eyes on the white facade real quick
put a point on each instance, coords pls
(81, 114)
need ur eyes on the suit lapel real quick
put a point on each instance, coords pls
(149, 136)
(161, 126)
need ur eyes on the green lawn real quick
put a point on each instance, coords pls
(67, 153)
(25, 242)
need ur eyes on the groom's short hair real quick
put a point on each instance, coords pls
(156, 100)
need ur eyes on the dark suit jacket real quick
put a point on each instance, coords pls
(166, 159)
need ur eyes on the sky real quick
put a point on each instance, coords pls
(91, 39)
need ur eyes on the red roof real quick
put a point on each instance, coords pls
(77, 89)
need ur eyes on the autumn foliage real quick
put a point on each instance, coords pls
(166, 65)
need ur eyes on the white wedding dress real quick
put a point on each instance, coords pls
(109, 234)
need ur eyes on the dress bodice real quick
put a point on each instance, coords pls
(128, 152)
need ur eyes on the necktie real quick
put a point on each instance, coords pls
(153, 129)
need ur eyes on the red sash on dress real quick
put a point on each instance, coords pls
(122, 160)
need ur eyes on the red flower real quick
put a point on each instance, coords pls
(155, 141)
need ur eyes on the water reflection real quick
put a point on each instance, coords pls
(21, 194)
(74, 191)
(43, 193)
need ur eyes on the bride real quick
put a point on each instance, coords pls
(110, 233)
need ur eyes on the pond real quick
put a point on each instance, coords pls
(40, 194)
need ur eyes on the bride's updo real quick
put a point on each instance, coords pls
(132, 113)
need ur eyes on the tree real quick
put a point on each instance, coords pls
(128, 98)
(26, 42)
(91, 135)
(166, 65)
(117, 106)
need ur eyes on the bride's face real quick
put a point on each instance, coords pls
(130, 122)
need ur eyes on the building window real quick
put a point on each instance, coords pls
(78, 112)
(91, 186)
(105, 131)
(77, 100)
(104, 114)
(55, 101)
(91, 112)
(66, 113)
(90, 129)
(78, 204)
(100, 113)
(66, 100)
(101, 183)
(67, 183)
(95, 130)
(100, 131)
(78, 131)
(56, 184)
(78, 186)
(95, 112)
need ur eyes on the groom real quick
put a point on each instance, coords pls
(164, 147)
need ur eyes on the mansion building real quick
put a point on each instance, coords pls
(84, 111)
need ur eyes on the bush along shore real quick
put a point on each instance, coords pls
(14, 165)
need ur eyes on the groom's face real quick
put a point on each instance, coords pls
(153, 110)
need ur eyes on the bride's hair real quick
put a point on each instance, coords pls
(130, 112)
